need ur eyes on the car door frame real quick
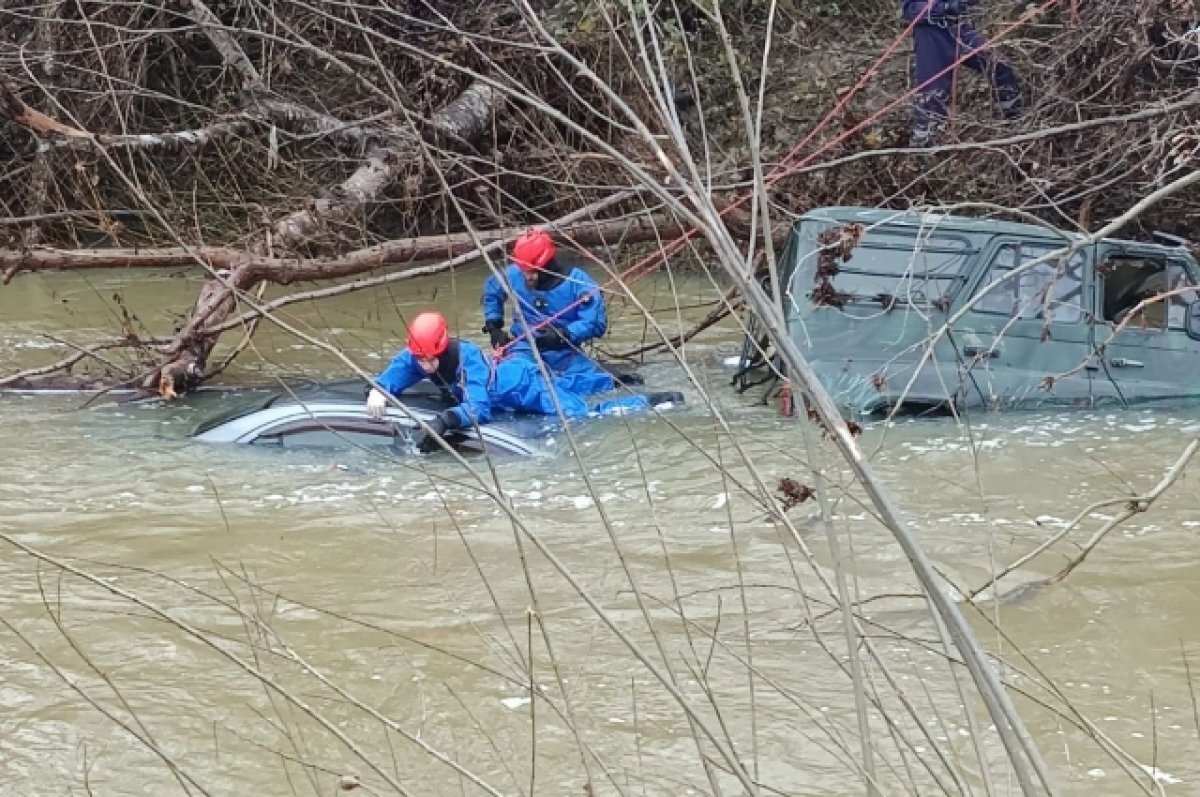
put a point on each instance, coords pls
(1144, 364)
(996, 347)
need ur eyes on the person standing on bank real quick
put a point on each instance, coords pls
(561, 305)
(941, 36)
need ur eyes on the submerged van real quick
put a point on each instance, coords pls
(867, 294)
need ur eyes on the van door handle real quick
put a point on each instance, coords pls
(1124, 362)
(982, 351)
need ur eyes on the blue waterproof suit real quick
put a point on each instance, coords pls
(941, 36)
(480, 387)
(567, 300)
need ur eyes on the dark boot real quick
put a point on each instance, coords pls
(664, 397)
(629, 379)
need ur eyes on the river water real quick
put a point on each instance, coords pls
(182, 618)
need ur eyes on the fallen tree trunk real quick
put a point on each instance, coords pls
(241, 270)
(286, 271)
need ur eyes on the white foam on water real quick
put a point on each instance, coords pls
(1160, 776)
(33, 343)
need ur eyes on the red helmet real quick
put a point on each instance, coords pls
(428, 335)
(533, 250)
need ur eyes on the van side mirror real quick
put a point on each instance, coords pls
(1192, 323)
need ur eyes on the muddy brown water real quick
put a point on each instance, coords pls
(270, 622)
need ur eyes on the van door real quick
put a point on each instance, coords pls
(1026, 342)
(1145, 353)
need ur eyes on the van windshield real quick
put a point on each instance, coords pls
(891, 267)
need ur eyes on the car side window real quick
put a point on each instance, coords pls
(1145, 292)
(1051, 291)
(322, 432)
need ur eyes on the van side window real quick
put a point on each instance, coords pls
(1130, 280)
(1052, 290)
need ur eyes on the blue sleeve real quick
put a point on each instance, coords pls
(592, 320)
(474, 373)
(401, 374)
(494, 296)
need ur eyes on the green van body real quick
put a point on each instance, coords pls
(868, 322)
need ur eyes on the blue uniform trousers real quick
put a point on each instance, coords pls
(573, 370)
(937, 45)
(518, 386)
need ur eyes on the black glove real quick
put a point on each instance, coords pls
(495, 329)
(427, 441)
(550, 338)
(628, 379)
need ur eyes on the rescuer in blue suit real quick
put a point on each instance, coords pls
(480, 386)
(561, 306)
(941, 36)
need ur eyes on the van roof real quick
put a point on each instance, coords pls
(931, 219)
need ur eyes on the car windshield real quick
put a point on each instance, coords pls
(238, 409)
(892, 266)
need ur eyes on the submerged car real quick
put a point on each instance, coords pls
(922, 311)
(334, 414)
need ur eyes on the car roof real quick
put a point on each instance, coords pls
(424, 396)
(950, 222)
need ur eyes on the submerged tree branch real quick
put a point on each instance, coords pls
(21, 379)
(729, 303)
(1134, 505)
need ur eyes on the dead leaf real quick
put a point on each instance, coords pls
(166, 386)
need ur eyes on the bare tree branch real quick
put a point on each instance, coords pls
(35, 121)
(466, 117)
(231, 52)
